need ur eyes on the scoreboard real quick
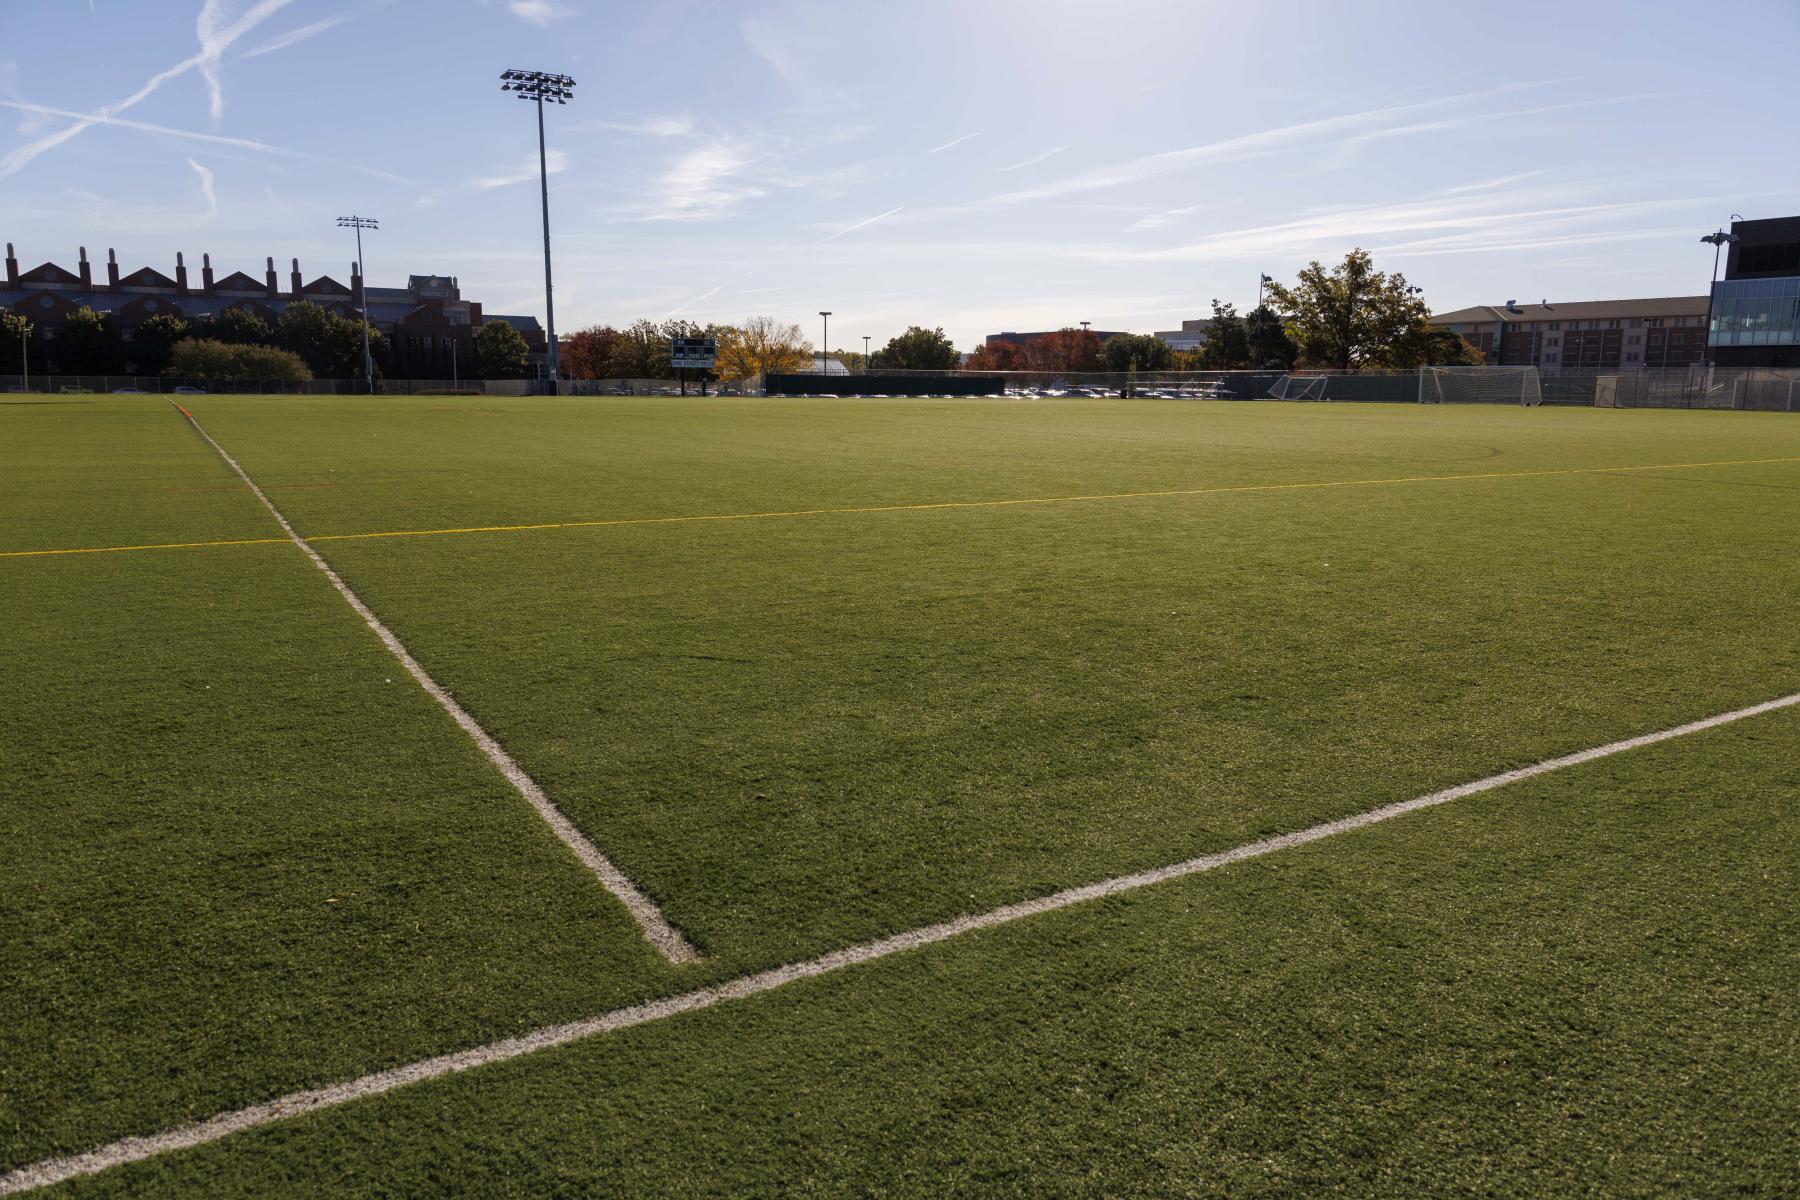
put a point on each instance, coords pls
(695, 353)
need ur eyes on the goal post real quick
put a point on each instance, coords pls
(1481, 385)
(1301, 387)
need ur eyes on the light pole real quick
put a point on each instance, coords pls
(1262, 281)
(543, 86)
(24, 355)
(359, 224)
(825, 340)
(1719, 239)
(865, 354)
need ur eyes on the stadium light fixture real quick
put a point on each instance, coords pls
(1718, 239)
(1263, 280)
(825, 340)
(865, 354)
(359, 224)
(546, 88)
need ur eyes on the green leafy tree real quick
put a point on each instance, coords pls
(1227, 344)
(500, 351)
(1441, 346)
(242, 327)
(1269, 346)
(213, 360)
(1123, 351)
(641, 349)
(86, 344)
(154, 341)
(1352, 315)
(18, 338)
(330, 345)
(918, 349)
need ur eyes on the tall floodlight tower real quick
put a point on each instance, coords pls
(359, 224)
(824, 341)
(1718, 241)
(543, 87)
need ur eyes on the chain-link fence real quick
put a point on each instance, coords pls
(1758, 389)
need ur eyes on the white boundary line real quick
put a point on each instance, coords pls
(656, 927)
(134, 1149)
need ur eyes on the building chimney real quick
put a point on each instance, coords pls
(206, 279)
(181, 285)
(112, 269)
(270, 282)
(295, 276)
(12, 267)
(87, 272)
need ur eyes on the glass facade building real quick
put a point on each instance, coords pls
(1756, 312)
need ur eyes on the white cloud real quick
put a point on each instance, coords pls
(667, 125)
(296, 36)
(860, 224)
(702, 184)
(1036, 159)
(555, 162)
(1247, 146)
(211, 139)
(206, 188)
(538, 12)
(213, 44)
(953, 142)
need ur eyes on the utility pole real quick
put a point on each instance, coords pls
(359, 224)
(543, 86)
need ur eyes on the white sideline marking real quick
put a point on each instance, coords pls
(134, 1149)
(656, 927)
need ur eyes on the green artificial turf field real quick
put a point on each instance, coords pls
(940, 656)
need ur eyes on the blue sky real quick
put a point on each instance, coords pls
(978, 165)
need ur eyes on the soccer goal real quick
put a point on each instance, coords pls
(1480, 385)
(1301, 387)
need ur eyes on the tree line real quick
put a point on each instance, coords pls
(1347, 317)
(757, 346)
(305, 342)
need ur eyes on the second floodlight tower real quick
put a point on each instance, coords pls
(543, 87)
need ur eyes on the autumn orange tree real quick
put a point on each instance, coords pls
(1064, 350)
(761, 346)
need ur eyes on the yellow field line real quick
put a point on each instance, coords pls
(943, 504)
(151, 546)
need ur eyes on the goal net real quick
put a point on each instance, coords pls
(1301, 387)
(1480, 385)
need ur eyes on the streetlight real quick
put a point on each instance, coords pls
(825, 340)
(359, 224)
(557, 89)
(1719, 240)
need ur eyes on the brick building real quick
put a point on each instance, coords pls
(1587, 335)
(428, 324)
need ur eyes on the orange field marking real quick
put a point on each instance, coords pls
(1232, 489)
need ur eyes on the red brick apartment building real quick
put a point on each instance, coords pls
(1587, 335)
